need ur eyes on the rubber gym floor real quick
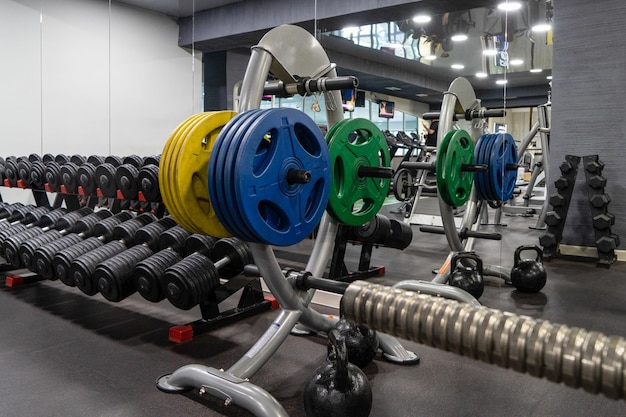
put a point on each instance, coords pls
(65, 354)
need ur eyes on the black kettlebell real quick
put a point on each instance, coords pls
(361, 342)
(338, 388)
(528, 275)
(468, 278)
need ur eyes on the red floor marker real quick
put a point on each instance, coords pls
(14, 281)
(274, 305)
(179, 334)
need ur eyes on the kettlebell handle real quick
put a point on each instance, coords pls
(458, 256)
(520, 249)
(338, 353)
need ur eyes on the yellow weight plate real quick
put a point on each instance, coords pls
(165, 182)
(191, 177)
(185, 220)
(165, 170)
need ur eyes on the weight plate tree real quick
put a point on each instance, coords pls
(461, 98)
(282, 52)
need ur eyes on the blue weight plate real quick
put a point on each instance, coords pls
(488, 192)
(230, 170)
(216, 173)
(490, 185)
(482, 152)
(221, 172)
(279, 213)
(503, 153)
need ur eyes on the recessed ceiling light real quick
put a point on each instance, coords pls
(481, 75)
(421, 95)
(542, 27)
(393, 88)
(510, 6)
(421, 18)
(430, 57)
(489, 52)
(536, 70)
(500, 82)
(549, 77)
(459, 38)
(457, 66)
(516, 61)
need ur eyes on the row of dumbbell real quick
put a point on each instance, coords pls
(118, 255)
(130, 175)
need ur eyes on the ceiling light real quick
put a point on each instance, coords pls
(516, 61)
(393, 88)
(501, 82)
(459, 37)
(421, 18)
(510, 6)
(457, 66)
(481, 75)
(489, 52)
(549, 77)
(536, 70)
(421, 95)
(430, 57)
(541, 27)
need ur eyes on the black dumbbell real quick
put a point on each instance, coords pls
(190, 281)
(81, 226)
(86, 174)
(82, 268)
(127, 174)
(43, 258)
(114, 277)
(11, 170)
(148, 272)
(124, 232)
(174, 244)
(11, 244)
(52, 173)
(27, 217)
(105, 176)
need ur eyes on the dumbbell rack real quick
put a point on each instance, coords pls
(602, 219)
(251, 302)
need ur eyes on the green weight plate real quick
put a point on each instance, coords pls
(453, 184)
(355, 143)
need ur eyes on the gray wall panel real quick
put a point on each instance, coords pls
(588, 103)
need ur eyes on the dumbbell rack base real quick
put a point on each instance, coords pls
(251, 302)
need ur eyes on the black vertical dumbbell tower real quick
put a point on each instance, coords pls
(606, 242)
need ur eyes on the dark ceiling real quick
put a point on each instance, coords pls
(523, 88)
